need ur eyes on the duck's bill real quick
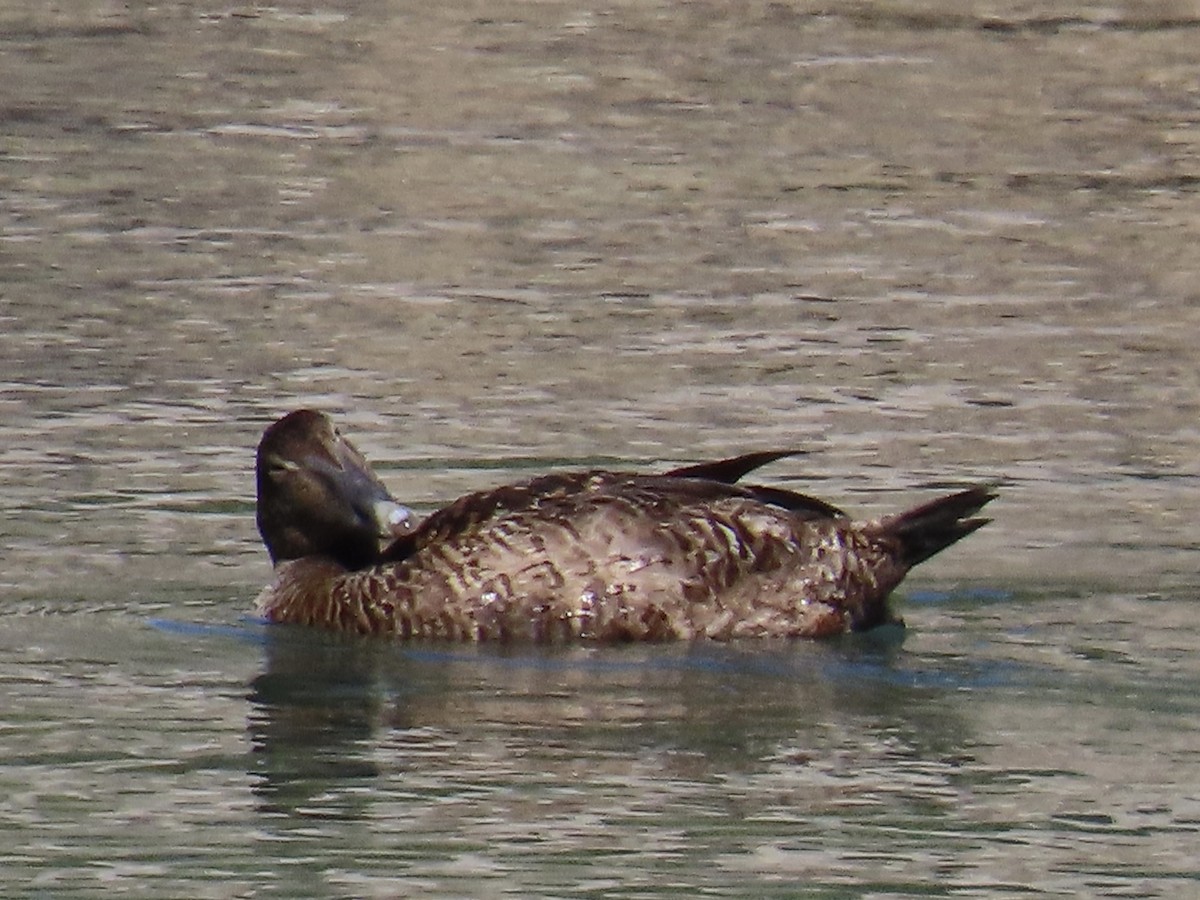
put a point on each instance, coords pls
(393, 519)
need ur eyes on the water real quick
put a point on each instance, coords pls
(928, 243)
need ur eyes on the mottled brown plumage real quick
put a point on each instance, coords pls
(598, 555)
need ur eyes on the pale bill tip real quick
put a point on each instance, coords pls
(394, 519)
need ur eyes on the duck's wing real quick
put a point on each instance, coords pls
(811, 507)
(696, 485)
(472, 510)
(733, 469)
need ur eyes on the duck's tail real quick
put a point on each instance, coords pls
(932, 527)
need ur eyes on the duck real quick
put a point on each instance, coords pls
(598, 555)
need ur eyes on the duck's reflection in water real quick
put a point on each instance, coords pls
(337, 722)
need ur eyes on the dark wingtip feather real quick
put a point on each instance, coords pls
(732, 470)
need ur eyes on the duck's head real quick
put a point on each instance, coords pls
(317, 494)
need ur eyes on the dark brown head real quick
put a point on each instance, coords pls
(318, 496)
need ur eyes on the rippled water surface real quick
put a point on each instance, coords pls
(928, 242)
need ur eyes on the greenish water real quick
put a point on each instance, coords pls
(1004, 748)
(928, 244)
